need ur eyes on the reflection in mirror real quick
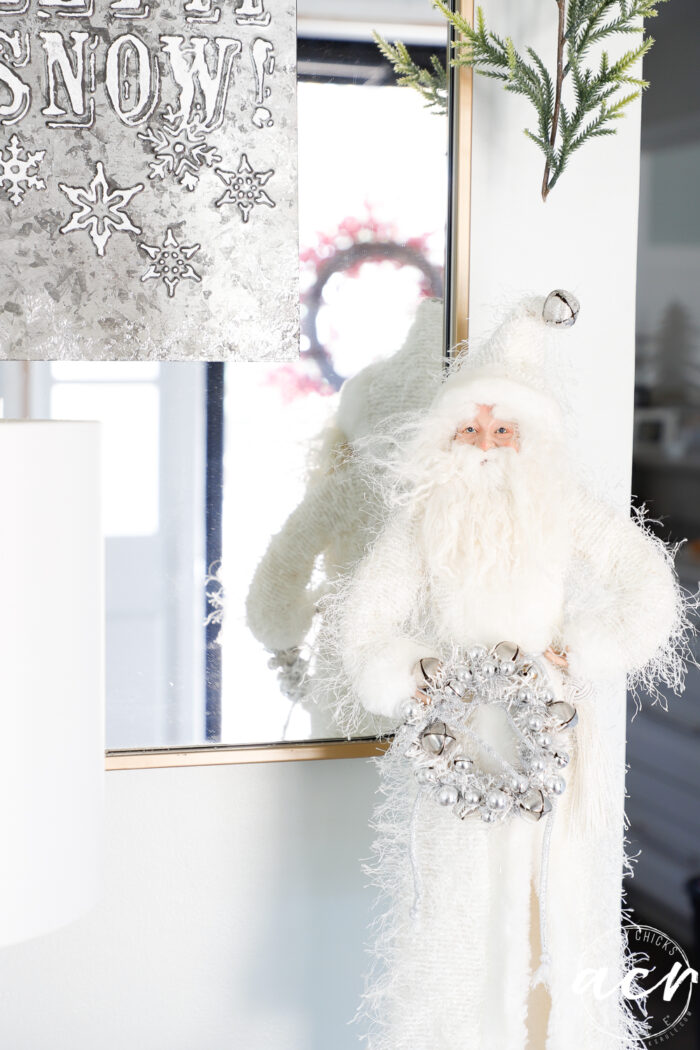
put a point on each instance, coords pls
(203, 464)
(373, 197)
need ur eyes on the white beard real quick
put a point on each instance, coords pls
(495, 536)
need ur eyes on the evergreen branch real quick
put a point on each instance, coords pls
(431, 84)
(595, 103)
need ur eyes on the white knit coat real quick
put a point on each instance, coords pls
(457, 974)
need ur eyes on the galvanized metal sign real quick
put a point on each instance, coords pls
(148, 179)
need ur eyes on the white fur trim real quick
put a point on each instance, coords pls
(387, 680)
(511, 400)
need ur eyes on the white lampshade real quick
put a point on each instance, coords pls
(51, 675)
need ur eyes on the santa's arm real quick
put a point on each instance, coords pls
(626, 607)
(281, 605)
(378, 653)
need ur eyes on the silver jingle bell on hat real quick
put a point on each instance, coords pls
(561, 309)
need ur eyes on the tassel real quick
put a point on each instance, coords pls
(594, 785)
(543, 971)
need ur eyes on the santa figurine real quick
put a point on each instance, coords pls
(493, 536)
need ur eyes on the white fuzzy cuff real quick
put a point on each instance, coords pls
(594, 653)
(386, 680)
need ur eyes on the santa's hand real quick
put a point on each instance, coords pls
(559, 659)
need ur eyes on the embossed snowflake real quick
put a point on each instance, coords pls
(16, 174)
(100, 209)
(170, 262)
(180, 150)
(244, 187)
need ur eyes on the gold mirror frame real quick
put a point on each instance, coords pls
(457, 323)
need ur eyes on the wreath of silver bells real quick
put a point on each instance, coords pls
(446, 750)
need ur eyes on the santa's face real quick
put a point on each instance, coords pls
(493, 519)
(485, 432)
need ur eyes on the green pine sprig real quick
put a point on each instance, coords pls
(597, 95)
(430, 83)
(596, 100)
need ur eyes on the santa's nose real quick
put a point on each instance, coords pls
(485, 444)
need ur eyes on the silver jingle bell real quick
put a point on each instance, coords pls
(447, 795)
(462, 763)
(561, 308)
(564, 714)
(561, 759)
(488, 816)
(506, 652)
(437, 738)
(534, 805)
(427, 671)
(425, 775)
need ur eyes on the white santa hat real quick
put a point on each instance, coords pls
(513, 370)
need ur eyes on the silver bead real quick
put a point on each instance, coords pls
(425, 775)
(544, 739)
(412, 711)
(534, 805)
(561, 308)
(489, 668)
(561, 759)
(447, 795)
(496, 799)
(535, 723)
(537, 765)
(488, 816)
(526, 696)
(462, 763)
(471, 796)
(564, 714)
(506, 652)
(437, 738)
(557, 785)
(476, 654)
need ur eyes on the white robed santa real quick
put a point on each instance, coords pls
(491, 536)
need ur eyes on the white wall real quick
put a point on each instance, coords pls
(583, 238)
(234, 912)
(233, 918)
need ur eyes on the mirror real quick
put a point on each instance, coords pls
(203, 463)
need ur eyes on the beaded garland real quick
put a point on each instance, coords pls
(446, 750)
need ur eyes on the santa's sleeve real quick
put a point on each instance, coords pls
(625, 607)
(281, 603)
(377, 649)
